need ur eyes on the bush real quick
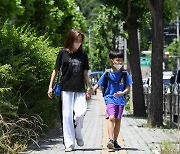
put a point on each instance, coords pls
(26, 65)
(17, 131)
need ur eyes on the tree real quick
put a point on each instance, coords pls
(174, 52)
(52, 18)
(156, 100)
(103, 35)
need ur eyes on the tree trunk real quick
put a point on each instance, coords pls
(156, 100)
(138, 96)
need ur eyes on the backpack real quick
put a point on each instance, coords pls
(123, 76)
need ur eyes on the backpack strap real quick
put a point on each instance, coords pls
(106, 78)
(123, 76)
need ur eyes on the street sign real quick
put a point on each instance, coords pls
(145, 61)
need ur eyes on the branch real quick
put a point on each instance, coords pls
(151, 8)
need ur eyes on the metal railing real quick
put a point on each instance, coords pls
(171, 104)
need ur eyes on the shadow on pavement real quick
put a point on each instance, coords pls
(131, 149)
(127, 149)
(134, 117)
(54, 137)
(88, 149)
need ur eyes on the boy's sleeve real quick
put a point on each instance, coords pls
(101, 80)
(128, 79)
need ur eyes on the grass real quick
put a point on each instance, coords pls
(168, 147)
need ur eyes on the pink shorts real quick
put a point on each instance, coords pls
(115, 110)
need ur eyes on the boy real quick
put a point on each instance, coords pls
(114, 95)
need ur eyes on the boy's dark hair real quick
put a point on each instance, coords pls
(115, 53)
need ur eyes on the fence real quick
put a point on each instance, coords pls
(171, 105)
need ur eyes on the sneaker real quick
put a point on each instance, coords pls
(116, 145)
(80, 142)
(69, 149)
(110, 144)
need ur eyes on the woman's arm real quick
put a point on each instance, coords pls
(53, 75)
(86, 77)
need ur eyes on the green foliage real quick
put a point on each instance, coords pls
(177, 2)
(26, 62)
(167, 147)
(7, 107)
(174, 50)
(29, 61)
(103, 35)
(10, 9)
(89, 8)
(169, 11)
(52, 18)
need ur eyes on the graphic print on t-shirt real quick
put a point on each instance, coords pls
(76, 65)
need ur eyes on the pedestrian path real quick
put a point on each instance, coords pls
(135, 137)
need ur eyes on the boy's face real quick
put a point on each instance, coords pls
(117, 61)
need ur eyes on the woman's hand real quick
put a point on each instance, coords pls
(50, 93)
(88, 94)
(50, 90)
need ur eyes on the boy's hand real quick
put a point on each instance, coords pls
(92, 91)
(119, 93)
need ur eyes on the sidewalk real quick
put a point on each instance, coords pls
(135, 137)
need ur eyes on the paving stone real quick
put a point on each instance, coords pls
(135, 136)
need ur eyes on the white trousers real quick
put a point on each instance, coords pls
(74, 107)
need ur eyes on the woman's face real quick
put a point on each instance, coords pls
(77, 43)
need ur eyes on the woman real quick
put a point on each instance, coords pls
(74, 65)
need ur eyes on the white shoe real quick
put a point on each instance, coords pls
(80, 142)
(69, 149)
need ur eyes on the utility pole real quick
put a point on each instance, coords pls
(125, 53)
(89, 42)
(177, 27)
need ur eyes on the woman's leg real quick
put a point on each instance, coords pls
(68, 125)
(80, 107)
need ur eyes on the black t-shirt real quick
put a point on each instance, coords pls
(73, 66)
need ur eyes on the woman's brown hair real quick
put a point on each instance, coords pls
(71, 37)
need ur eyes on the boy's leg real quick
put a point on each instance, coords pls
(110, 115)
(117, 128)
(111, 122)
(118, 115)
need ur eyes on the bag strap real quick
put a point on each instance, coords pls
(60, 78)
(123, 76)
